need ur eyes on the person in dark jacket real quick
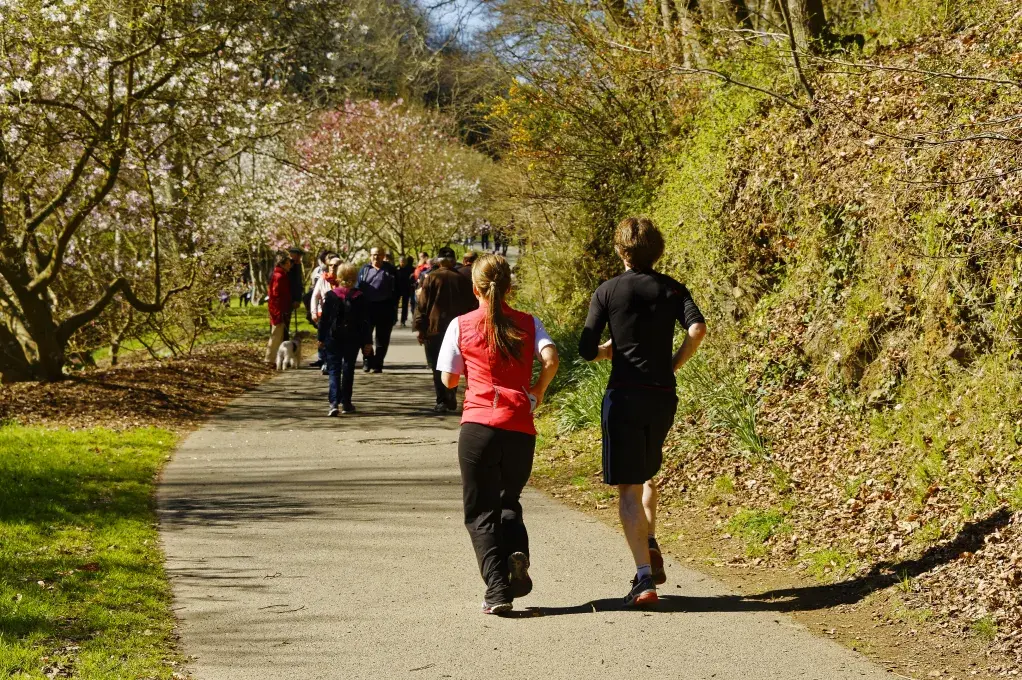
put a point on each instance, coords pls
(344, 330)
(378, 281)
(296, 280)
(446, 295)
(405, 289)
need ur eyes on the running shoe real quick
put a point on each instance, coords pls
(377, 370)
(317, 363)
(332, 413)
(642, 594)
(348, 408)
(519, 580)
(656, 562)
(499, 608)
(440, 408)
(323, 370)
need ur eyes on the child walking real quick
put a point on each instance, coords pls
(344, 330)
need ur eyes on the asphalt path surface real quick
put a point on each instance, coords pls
(302, 546)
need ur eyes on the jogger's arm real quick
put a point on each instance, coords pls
(549, 361)
(696, 333)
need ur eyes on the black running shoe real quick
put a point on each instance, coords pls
(316, 364)
(499, 608)
(347, 408)
(656, 562)
(440, 408)
(642, 594)
(518, 570)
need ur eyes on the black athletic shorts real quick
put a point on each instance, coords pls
(635, 426)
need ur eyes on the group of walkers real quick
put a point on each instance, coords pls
(501, 237)
(462, 318)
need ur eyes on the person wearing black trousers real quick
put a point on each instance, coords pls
(378, 282)
(405, 291)
(343, 331)
(446, 295)
(496, 348)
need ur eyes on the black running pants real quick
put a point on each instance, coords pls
(495, 466)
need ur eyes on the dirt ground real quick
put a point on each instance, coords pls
(174, 393)
(858, 613)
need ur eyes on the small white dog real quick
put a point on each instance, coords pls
(289, 354)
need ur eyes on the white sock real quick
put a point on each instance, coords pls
(643, 571)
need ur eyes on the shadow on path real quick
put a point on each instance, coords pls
(810, 598)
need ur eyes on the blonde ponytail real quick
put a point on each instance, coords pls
(491, 275)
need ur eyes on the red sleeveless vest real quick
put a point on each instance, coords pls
(497, 392)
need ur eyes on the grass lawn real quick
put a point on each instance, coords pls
(230, 324)
(83, 592)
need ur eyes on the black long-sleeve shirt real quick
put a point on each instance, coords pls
(641, 308)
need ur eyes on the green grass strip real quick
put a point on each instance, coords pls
(83, 591)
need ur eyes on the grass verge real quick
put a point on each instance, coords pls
(83, 591)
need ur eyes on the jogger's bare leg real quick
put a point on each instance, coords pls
(649, 502)
(633, 521)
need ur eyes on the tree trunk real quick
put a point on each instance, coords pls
(38, 349)
(692, 54)
(667, 20)
(809, 22)
(742, 13)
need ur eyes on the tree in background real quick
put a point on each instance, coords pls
(394, 176)
(109, 114)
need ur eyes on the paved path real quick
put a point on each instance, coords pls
(301, 546)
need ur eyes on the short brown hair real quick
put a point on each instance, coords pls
(639, 242)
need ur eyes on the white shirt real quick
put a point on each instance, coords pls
(319, 292)
(451, 360)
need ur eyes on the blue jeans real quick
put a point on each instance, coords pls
(340, 365)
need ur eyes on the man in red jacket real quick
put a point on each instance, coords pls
(279, 304)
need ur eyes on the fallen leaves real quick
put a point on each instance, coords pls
(175, 393)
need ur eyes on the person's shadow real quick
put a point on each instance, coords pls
(809, 598)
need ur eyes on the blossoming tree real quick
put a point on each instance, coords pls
(112, 117)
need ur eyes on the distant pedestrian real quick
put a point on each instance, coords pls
(344, 330)
(296, 279)
(324, 281)
(279, 302)
(467, 260)
(484, 235)
(445, 295)
(405, 288)
(245, 298)
(378, 281)
(642, 308)
(496, 347)
(421, 266)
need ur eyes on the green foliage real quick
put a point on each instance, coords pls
(984, 628)
(756, 526)
(580, 402)
(726, 402)
(82, 582)
(723, 488)
(828, 563)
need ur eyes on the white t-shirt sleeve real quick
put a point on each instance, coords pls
(450, 359)
(542, 337)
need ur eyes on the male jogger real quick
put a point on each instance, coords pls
(641, 306)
